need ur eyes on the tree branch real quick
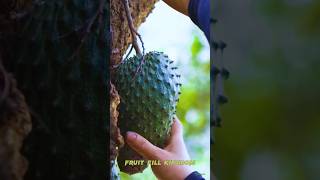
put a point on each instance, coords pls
(132, 29)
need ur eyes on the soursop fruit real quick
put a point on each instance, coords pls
(149, 91)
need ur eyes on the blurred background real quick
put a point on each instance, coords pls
(271, 125)
(174, 34)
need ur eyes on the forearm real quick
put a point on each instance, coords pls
(179, 5)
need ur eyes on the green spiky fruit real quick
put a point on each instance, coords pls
(149, 91)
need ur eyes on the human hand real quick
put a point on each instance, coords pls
(179, 5)
(175, 150)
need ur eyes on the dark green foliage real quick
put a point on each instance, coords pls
(148, 101)
(274, 114)
(59, 57)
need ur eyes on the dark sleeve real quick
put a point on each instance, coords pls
(199, 12)
(194, 176)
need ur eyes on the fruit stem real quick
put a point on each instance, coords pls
(132, 29)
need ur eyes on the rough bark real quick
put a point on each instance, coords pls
(15, 120)
(15, 124)
(116, 138)
(121, 39)
(10, 12)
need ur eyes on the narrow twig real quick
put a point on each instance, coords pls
(142, 44)
(116, 66)
(5, 91)
(134, 38)
(88, 29)
(132, 29)
(72, 31)
(139, 68)
(128, 53)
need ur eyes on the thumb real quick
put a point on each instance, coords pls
(142, 146)
(177, 128)
(176, 142)
(176, 134)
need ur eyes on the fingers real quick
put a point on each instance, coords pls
(176, 134)
(143, 146)
(175, 142)
(149, 151)
(176, 129)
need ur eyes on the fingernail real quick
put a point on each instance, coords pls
(131, 136)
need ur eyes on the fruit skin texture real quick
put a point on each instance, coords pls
(148, 98)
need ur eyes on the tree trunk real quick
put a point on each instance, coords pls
(15, 120)
(15, 125)
(120, 40)
(58, 52)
